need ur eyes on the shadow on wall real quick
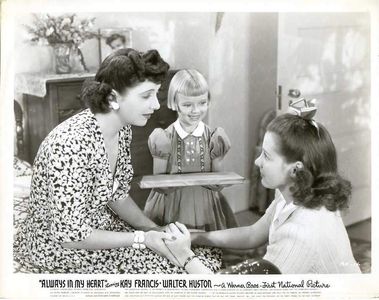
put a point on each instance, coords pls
(335, 73)
(327, 56)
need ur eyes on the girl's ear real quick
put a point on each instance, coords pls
(295, 167)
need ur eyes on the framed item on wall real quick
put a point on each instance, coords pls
(112, 39)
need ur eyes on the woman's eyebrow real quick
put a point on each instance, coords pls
(148, 91)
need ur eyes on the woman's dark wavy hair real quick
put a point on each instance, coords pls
(318, 183)
(122, 69)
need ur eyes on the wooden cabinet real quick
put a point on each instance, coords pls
(62, 101)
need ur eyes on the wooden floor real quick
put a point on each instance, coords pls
(246, 217)
(361, 230)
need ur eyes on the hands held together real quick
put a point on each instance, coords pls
(174, 243)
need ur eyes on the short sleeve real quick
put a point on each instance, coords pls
(159, 143)
(69, 174)
(219, 143)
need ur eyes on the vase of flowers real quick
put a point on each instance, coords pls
(65, 34)
(62, 58)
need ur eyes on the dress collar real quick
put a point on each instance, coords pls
(183, 134)
(283, 210)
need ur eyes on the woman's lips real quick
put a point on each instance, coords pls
(147, 116)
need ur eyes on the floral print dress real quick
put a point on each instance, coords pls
(71, 186)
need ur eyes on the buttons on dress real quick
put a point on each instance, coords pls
(179, 155)
(190, 153)
(202, 161)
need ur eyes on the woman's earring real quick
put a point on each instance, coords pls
(114, 105)
(112, 99)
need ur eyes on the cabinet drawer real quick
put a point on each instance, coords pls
(64, 114)
(69, 96)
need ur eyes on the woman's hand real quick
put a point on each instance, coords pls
(154, 241)
(180, 244)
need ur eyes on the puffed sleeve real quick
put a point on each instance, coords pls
(159, 143)
(69, 173)
(219, 143)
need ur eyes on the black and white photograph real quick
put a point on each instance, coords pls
(163, 143)
(112, 39)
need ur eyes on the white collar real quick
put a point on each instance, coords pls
(183, 134)
(283, 209)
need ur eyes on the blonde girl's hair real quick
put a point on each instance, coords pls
(188, 82)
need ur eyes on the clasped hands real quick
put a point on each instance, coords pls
(174, 243)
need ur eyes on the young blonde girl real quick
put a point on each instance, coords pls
(188, 145)
(303, 226)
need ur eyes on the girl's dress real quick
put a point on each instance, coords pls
(71, 186)
(195, 206)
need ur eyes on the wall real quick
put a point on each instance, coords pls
(242, 79)
(327, 57)
(181, 38)
(239, 61)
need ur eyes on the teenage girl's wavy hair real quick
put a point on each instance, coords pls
(122, 69)
(318, 183)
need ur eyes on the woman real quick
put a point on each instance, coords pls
(303, 225)
(80, 214)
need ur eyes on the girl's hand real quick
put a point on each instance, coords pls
(158, 228)
(154, 241)
(214, 187)
(166, 190)
(180, 245)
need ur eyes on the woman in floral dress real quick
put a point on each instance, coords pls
(80, 217)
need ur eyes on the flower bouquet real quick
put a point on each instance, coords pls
(64, 34)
